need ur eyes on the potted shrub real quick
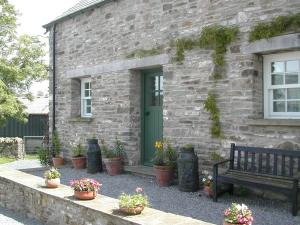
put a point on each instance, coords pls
(57, 158)
(113, 157)
(52, 178)
(208, 182)
(238, 215)
(78, 159)
(133, 204)
(85, 188)
(164, 162)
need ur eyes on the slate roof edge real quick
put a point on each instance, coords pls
(71, 15)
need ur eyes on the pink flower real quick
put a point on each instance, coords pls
(139, 190)
(227, 212)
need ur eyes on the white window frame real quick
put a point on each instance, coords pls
(268, 87)
(83, 98)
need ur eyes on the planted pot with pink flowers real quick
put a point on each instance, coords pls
(85, 188)
(133, 204)
(238, 215)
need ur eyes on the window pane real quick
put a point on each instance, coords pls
(279, 94)
(293, 106)
(155, 99)
(279, 106)
(88, 102)
(86, 93)
(291, 78)
(292, 66)
(161, 83)
(87, 85)
(161, 101)
(88, 110)
(277, 67)
(277, 79)
(293, 93)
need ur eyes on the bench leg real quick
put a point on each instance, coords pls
(295, 198)
(231, 189)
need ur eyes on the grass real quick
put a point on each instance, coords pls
(4, 160)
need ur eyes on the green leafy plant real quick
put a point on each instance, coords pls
(188, 146)
(241, 191)
(116, 152)
(43, 154)
(133, 200)
(182, 45)
(78, 150)
(165, 154)
(210, 105)
(56, 144)
(278, 26)
(215, 156)
(53, 173)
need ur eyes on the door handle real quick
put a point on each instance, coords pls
(147, 113)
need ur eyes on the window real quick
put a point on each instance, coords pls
(282, 85)
(86, 97)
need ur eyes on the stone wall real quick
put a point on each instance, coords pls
(12, 147)
(25, 193)
(112, 31)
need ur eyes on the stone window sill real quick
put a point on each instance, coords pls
(275, 122)
(81, 119)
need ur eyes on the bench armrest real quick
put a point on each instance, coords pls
(222, 162)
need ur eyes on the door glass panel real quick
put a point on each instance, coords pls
(292, 66)
(277, 79)
(278, 94)
(293, 93)
(161, 83)
(293, 106)
(277, 67)
(291, 78)
(161, 99)
(155, 98)
(279, 106)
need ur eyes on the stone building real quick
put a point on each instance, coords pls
(107, 84)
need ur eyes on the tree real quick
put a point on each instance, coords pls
(21, 63)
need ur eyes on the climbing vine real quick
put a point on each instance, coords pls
(212, 37)
(210, 105)
(277, 26)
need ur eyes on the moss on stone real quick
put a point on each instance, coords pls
(141, 53)
(276, 27)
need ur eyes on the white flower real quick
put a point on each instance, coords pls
(209, 177)
(204, 179)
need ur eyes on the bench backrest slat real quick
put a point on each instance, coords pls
(271, 161)
(275, 164)
(283, 165)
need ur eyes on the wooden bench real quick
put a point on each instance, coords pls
(266, 168)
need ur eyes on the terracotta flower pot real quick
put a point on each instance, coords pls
(113, 166)
(85, 195)
(52, 183)
(132, 211)
(208, 191)
(79, 162)
(57, 161)
(164, 175)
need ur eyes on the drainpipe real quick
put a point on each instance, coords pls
(53, 77)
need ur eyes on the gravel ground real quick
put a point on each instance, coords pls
(8, 217)
(196, 205)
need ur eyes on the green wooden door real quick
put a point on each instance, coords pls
(153, 116)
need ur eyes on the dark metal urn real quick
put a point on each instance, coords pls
(94, 158)
(188, 178)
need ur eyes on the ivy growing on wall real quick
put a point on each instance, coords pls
(212, 37)
(210, 105)
(278, 26)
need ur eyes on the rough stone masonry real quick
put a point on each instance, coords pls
(96, 42)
